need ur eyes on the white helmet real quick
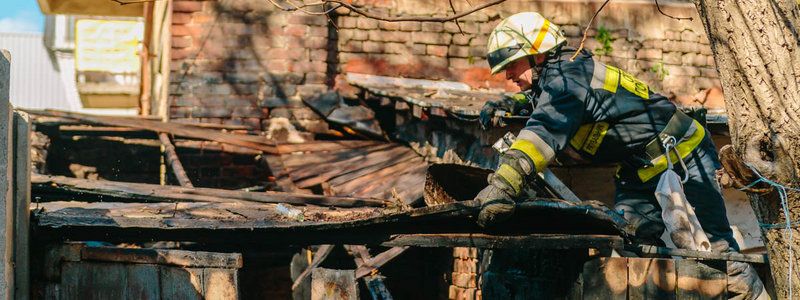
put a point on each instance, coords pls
(521, 35)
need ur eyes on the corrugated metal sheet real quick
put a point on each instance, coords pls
(35, 79)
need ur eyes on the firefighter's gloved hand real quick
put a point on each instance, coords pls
(517, 104)
(505, 184)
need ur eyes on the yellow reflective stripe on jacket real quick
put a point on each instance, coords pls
(599, 131)
(634, 85)
(611, 82)
(513, 177)
(589, 137)
(527, 147)
(580, 136)
(611, 78)
(684, 148)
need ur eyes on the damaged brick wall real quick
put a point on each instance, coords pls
(246, 62)
(241, 62)
(672, 56)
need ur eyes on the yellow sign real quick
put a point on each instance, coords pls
(108, 45)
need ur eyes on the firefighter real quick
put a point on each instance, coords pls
(583, 109)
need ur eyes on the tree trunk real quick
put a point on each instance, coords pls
(755, 46)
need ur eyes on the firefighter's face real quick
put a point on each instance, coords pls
(522, 74)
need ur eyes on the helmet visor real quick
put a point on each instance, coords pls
(498, 56)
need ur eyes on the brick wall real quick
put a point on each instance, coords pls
(642, 39)
(244, 62)
(241, 62)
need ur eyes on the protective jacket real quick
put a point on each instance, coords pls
(602, 114)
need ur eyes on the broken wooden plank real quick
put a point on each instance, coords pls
(375, 285)
(79, 188)
(6, 180)
(316, 146)
(486, 241)
(364, 184)
(173, 161)
(727, 256)
(295, 160)
(373, 161)
(179, 258)
(319, 257)
(262, 224)
(247, 141)
(22, 203)
(378, 261)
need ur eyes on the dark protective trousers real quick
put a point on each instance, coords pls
(637, 202)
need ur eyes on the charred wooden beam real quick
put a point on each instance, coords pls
(82, 190)
(373, 263)
(262, 224)
(173, 161)
(319, 257)
(486, 241)
(184, 130)
(728, 256)
(163, 257)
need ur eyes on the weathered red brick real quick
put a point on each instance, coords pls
(436, 50)
(286, 54)
(177, 54)
(181, 18)
(432, 38)
(317, 31)
(389, 25)
(304, 19)
(373, 47)
(458, 51)
(347, 22)
(296, 30)
(352, 46)
(278, 66)
(367, 23)
(432, 26)
(410, 26)
(316, 43)
(464, 280)
(187, 6)
(181, 42)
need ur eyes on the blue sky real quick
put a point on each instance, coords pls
(21, 16)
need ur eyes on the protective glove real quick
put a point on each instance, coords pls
(505, 185)
(517, 104)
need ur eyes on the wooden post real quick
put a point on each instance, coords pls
(6, 181)
(22, 204)
(173, 161)
(333, 284)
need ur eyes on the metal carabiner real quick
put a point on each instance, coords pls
(670, 143)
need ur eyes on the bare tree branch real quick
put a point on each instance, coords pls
(586, 31)
(120, 2)
(676, 18)
(353, 8)
(456, 20)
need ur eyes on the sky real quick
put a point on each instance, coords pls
(21, 16)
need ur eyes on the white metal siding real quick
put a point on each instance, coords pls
(35, 79)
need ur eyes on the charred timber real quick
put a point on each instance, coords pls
(48, 188)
